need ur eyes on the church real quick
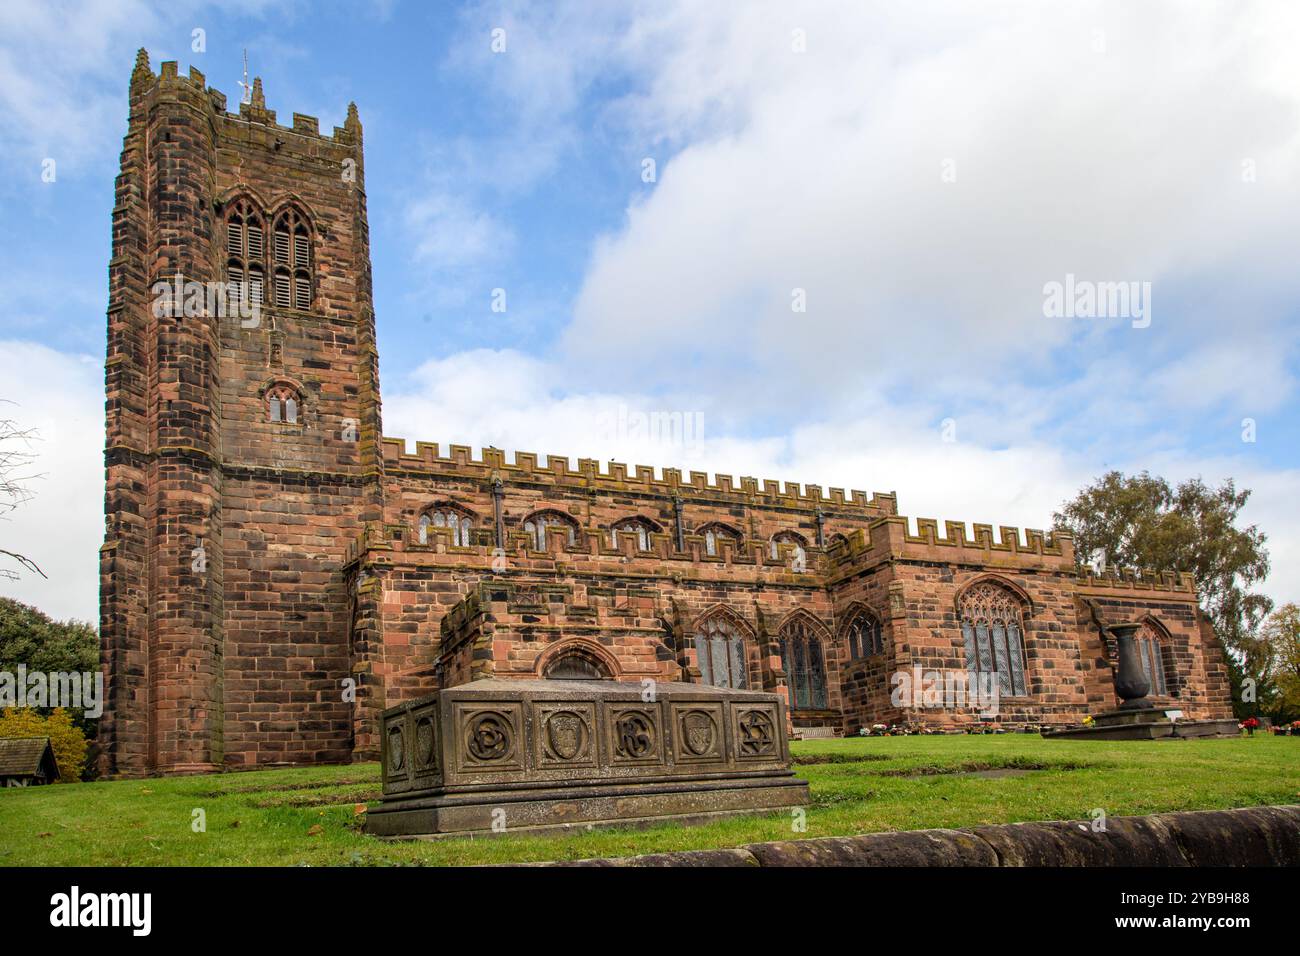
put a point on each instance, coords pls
(276, 572)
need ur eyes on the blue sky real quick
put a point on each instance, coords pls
(918, 171)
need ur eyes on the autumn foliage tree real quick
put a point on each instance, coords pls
(66, 739)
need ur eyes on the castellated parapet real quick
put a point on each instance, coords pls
(276, 574)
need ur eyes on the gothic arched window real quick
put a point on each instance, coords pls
(575, 666)
(538, 523)
(283, 404)
(863, 636)
(714, 533)
(291, 259)
(992, 626)
(720, 651)
(796, 541)
(245, 252)
(640, 527)
(804, 661)
(1157, 661)
(444, 516)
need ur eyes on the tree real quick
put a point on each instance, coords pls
(29, 637)
(1143, 522)
(1276, 656)
(14, 459)
(66, 738)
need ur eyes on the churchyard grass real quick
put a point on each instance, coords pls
(309, 816)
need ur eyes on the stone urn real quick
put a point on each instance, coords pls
(1131, 682)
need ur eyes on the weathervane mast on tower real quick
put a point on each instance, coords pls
(248, 90)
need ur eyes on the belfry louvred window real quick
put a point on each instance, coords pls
(244, 251)
(291, 257)
(992, 628)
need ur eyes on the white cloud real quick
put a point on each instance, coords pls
(61, 396)
(824, 171)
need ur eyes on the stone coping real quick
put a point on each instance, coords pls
(1249, 836)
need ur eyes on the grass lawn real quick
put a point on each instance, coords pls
(308, 816)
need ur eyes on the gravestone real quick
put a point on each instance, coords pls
(494, 756)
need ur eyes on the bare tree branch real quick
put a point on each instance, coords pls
(15, 456)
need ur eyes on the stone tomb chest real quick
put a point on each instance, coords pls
(527, 755)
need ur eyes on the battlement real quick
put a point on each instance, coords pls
(893, 536)
(616, 476)
(1139, 579)
(169, 79)
(1009, 539)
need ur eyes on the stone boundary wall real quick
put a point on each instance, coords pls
(1251, 836)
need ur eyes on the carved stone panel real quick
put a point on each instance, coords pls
(698, 732)
(424, 741)
(396, 764)
(489, 738)
(565, 735)
(635, 735)
(757, 732)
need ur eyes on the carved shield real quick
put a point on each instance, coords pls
(698, 732)
(564, 731)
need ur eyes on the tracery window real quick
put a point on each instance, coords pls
(804, 661)
(863, 636)
(714, 533)
(800, 555)
(637, 526)
(992, 626)
(720, 651)
(538, 523)
(443, 516)
(575, 666)
(283, 404)
(1152, 651)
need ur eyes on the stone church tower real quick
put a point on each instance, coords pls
(241, 456)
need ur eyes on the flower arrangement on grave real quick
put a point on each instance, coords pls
(1249, 725)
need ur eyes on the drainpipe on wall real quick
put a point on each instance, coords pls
(677, 522)
(498, 492)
